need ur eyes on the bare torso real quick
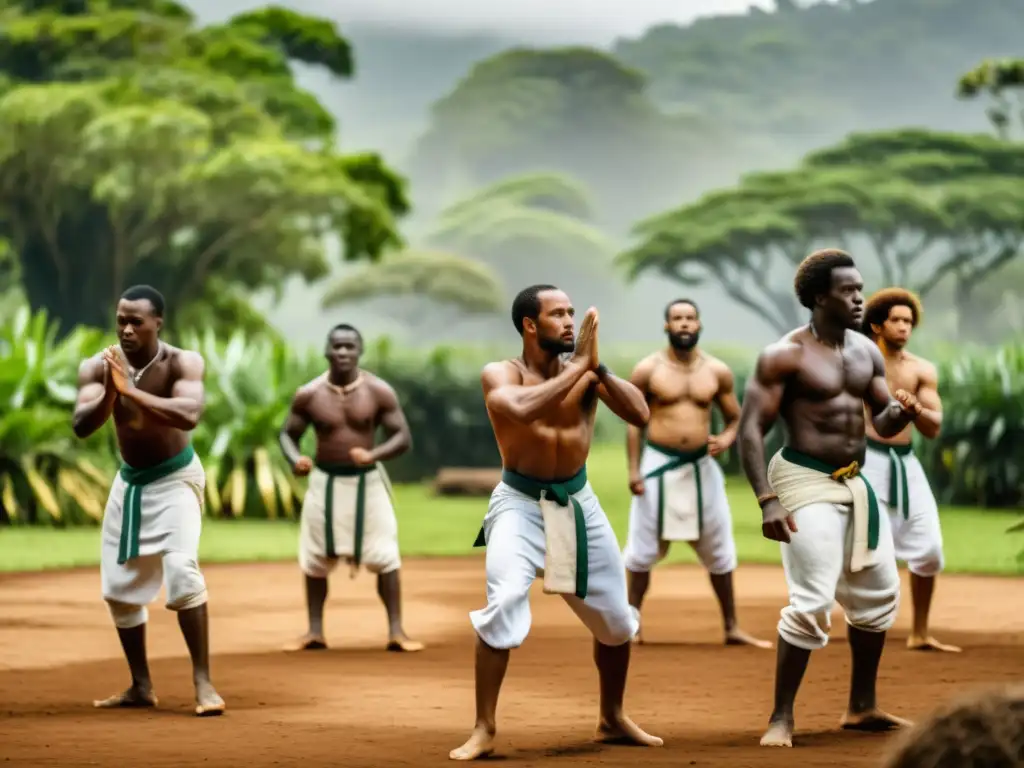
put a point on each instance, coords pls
(342, 420)
(905, 372)
(144, 441)
(680, 397)
(556, 444)
(824, 393)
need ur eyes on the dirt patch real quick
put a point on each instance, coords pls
(359, 706)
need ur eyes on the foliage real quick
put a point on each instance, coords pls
(998, 79)
(929, 206)
(142, 148)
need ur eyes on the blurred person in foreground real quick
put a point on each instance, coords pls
(544, 516)
(890, 317)
(677, 484)
(347, 512)
(981, 730)
(836, 543)
(153, 517)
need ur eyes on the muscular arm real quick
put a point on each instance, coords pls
(392, 418)
(761, 402)
(641, 379)
(623, 398)
(929, 420)
(96, 398)
(506, 396)
(888, 417)
(185, 405)
(728, 405)
(294, 427)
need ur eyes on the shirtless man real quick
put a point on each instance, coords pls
(891, 466)
(836, 546)
(347, 510)
(681, 384)
(543, 515)
(153, 517)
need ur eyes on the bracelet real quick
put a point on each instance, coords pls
(765, 498)
(601, 370)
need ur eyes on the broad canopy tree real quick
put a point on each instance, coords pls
(930, 207)
(1002, 80)
(142, 148)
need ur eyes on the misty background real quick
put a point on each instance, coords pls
(408, 56)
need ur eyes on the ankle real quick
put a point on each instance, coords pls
(782, 715)
(486, 726)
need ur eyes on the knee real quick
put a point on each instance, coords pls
(722, 561)
(618, 627)
(876, 612)
(928, 563)
(127, 616)
(186, 587)
(806, 627)
(505, 622)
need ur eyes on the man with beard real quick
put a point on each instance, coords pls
(836, 545)
(544, 516)
(891, 466)
(678, 487)
(347, 511)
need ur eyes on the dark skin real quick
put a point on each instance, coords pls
(153, 420)
(820, 386)
(542, 409)
(345, 426)
(907, 372)
(681, 385)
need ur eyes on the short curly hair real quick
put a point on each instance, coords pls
(877, 308)
(814, 275)
(981, 730)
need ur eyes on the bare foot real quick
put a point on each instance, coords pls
(208, 701)
(480, 744)
(402, 644)
(139, 698)
(874, 720)
(622, 730)
(739, 637)
(917, 643)
(779, 734)
(638, 638)
(308, 642)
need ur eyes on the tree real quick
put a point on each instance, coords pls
(144, 149)
(931, 206)
(998, 79)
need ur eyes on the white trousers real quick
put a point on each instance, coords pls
(379, 548)
(716, 546)
(917, 537)
(816, 563)
(514, 530)
(168, 532)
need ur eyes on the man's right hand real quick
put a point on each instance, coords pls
(585, 353)
(636, 483)
(302, 466)
(776, 522)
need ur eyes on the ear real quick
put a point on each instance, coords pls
(876, 329)
(159, 324)
(529, 325)
(666, 326)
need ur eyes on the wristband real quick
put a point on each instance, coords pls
(765, 498)
(601, 369)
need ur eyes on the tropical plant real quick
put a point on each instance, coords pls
(46, 473)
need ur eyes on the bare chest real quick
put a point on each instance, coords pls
(827, 373)
(157, 380)
(902, 374)
(670, 385)
(330, 410)
(575, 409)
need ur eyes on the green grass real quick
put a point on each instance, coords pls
(975, 539)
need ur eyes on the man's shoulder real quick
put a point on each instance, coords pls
(378, 384)
(501, 370)
(184, 361)
(922, 365)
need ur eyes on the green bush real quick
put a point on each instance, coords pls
(49, 476)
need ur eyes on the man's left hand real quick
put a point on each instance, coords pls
(361, 457)
(117, 370)
(908, 401)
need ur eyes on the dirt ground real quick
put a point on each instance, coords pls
(356, 705)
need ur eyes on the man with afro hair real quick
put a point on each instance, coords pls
(836, 545)
(891, 467)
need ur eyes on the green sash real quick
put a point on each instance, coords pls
(839, 474)
(562, 492)
(131, 508)
(899, 487)
(679, 459)
(345, 470)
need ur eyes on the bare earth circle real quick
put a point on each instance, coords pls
(359, 706)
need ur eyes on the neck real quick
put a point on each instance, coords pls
(547, 364)
(683, 355)
(889, 352)
(143, 356)
(342, 378)
(827, 333)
